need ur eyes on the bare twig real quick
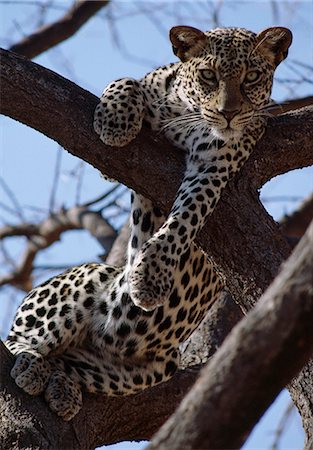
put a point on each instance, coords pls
(116, 39)
(81, 170)
(282, 425)
(17, 207)
(102, 196)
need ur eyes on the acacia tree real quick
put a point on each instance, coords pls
(283, 317)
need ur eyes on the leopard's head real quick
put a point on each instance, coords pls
(227, 74)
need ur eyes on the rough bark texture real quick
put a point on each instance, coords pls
(243, 239)
(301, 392)
(269, 347)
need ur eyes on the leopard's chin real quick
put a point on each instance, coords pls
(227, 134)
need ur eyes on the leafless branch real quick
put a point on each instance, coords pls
(117, 41)
(297, 222)
(22, 229)
(102, 196)
(117, 255)
(81, 170)
(51, 35)
(10, 194)
(44, 234)
(282, 426)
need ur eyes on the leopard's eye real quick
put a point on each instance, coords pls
(208, 76)
(252, 76)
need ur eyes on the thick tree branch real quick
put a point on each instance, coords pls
(291, 105)
(252, 246)
(50, 35)
(27, 88)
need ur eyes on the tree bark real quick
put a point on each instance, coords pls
(252, 246)
(301, 392)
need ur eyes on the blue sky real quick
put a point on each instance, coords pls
(130, 39)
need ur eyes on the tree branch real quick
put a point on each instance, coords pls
(50, 35)
(296, 223)
(117, 255)
(27, 88)
(44, 234)
(291, 105)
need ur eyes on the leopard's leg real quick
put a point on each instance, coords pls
(80, 369)
(209, 167)
(53, 317)
(119, 115)
(145, 221)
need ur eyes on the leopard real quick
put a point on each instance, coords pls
(118, 330)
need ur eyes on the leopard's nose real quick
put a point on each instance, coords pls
(229, 114)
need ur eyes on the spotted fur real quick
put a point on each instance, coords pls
(117, 331)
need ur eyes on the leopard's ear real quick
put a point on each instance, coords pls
(187, 42)
(274, 43)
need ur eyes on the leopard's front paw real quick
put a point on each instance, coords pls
(31, 373)
(118, 117)
(151, 277)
